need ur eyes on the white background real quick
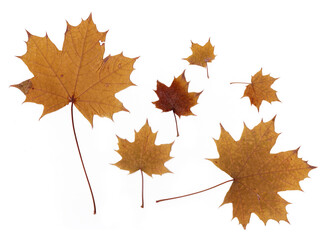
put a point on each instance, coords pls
(44, 194)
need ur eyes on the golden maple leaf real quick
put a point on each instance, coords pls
(78, 74)
(257, 174)
(201, 55)
(143, 154)
(260, 89)
(176, 98)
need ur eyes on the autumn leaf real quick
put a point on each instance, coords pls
(257, 174)
(143, 154)
(78, 74)
(176, 98)
(260, 89)
(201, 55)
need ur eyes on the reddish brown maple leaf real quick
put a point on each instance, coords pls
(176, 98)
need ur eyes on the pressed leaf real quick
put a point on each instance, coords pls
(257, 174)
(77, 74)
(201, 55)
(143, 154)
(176, 98)
(260, 89)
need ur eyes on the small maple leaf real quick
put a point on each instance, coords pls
(176, 98)
(260, 89)
(78, 75)
(143, 154)
(257, 174)
(201, 55)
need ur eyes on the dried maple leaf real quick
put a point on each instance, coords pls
(201, 55)
(176, 98)
(260, 89)
(257, 174)
(78, 74)
(143, 154)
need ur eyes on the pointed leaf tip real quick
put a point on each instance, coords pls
(24, 86)
(28, 33)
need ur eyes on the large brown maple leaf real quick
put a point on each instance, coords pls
(78, 74)
(257, 174)
(143, 154)
(176, 98)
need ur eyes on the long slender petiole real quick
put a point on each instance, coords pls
(85, 172)
(208, 76)
(190, 194)
(176, 123)
(142, 189)
(239, 83)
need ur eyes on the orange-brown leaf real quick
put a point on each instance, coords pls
(260, 89)
(176, 98)
(201, 55)
(77, 74)
(143, 154)
(24, 86)
(257, 174)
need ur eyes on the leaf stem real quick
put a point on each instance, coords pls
(239, 83)
(176, 123)
(142, 189)
(208, 76)
(190, 194)
(85, 172)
